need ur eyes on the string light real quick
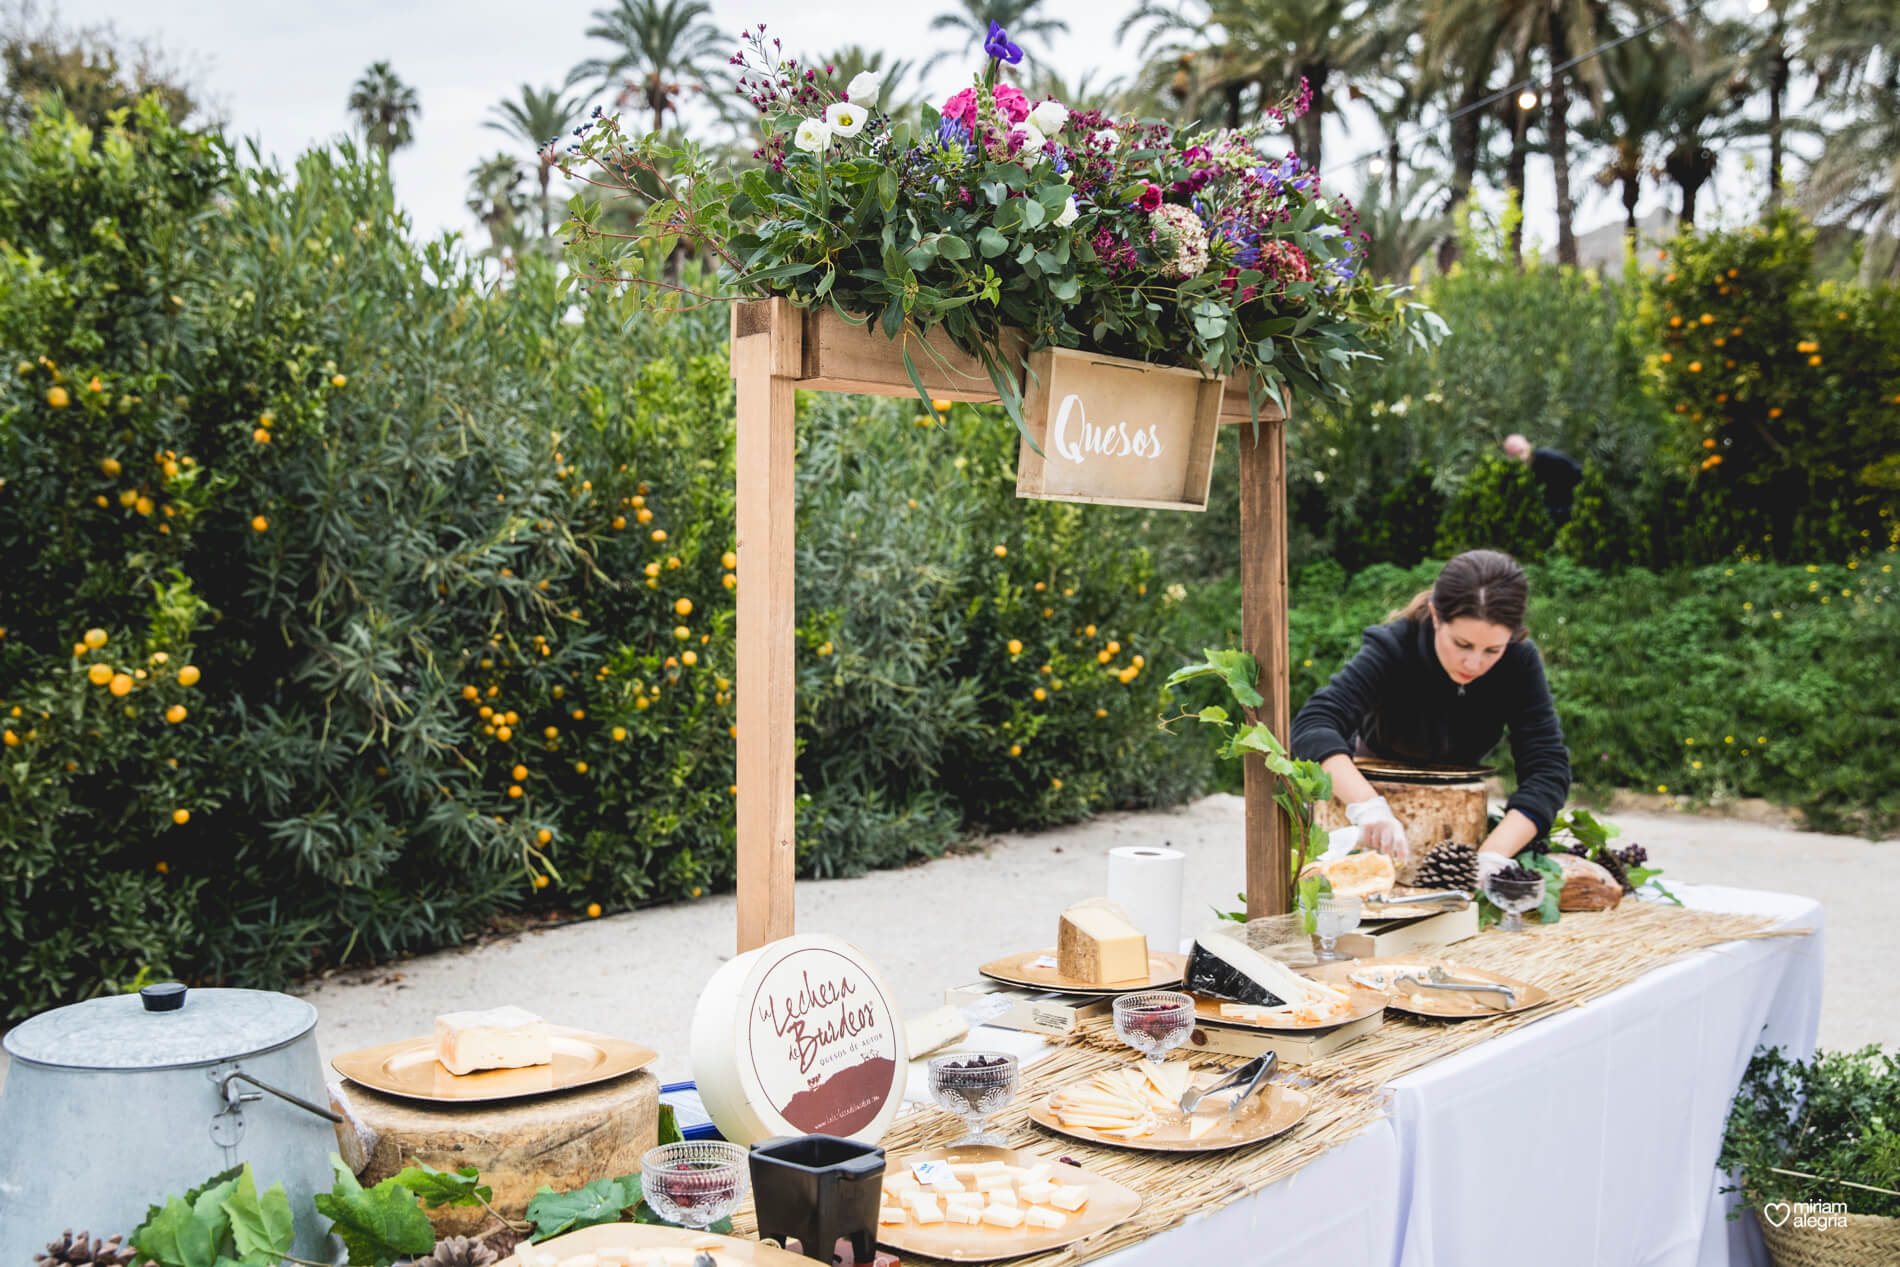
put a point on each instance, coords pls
(1527, 100)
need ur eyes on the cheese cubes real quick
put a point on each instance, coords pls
(991, 1198)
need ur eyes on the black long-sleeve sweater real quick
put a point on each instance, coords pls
(1396, 697)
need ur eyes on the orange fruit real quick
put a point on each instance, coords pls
(682, 633)
(619, 733)
(544, 836)
(181, 816)
(1002, 551)
(729, 560)
(540, 882)
(121, 684)
(94, 638)
(338, 380)
(659, 534)
(580, 767)
(188, 676)
(175, 714)
(259, 523)
(520, 772)
(689, 658)
(111, 467)
(57, 397)
(504, 734)
(514, 792)
(261, 436)
(683, 607)
(593, 910)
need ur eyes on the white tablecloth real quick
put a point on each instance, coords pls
(1588, 1138)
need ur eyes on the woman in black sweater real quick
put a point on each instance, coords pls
(1441, 684)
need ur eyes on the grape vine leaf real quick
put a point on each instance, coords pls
(590, 1205)
(174, 1236)
(669, 1130)
(438, 1188)
(378, 1225)
(260, 1223)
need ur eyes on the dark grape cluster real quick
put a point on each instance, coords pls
(978, 1062)
(1517, 872)
(1633, 856)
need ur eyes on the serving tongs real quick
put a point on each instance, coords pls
(1438, 979)
(1249, 1077)
(1436, 895)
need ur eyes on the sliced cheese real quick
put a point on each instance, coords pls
(1201, 1124)
(918, 1202)
(1003, 1216)
(1095, 942)
(929, 1216)
(1070, 1197)
(1038, 1172)
(989, 1183)
(500, 1038)
(992, 1168)
(934, 1030)
(1042, 1216)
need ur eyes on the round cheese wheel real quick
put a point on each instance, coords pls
(1359, 874)
(799, 1037)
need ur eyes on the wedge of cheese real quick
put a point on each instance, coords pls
(1224, 967)
(1096, 943)
(500, 1038)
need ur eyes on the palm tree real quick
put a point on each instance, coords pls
(1018, 17)
(496, 198)
(661, 52)
(386, 107)
(1045, 84)
(1644, 76)
(1857, 176)
(1400, 224)
(538, 118)
(1266, 47)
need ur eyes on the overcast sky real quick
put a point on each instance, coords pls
(281, 70)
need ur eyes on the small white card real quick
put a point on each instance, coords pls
(929, 1172)
(1043, 961)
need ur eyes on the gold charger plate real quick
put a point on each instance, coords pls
(1364, 1003)
(1270, 1111)
(645, 1238)
(1165, 970)
(1109, 1203)
(1442, 1004)
(1370, 912)
(409, 1069)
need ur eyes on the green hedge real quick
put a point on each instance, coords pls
(1743, 680)
(405, 530)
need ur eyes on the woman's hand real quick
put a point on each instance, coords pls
(1379, 829)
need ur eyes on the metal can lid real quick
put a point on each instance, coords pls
(120, 1032)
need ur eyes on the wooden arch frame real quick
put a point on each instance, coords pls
(778, 349)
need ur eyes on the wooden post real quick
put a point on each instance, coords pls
(1264, 635)
(766, 340)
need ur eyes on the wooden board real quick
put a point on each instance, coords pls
(410, 1070)
(1165, 970)
(1114, 432)
(647, 1238)
(1109, 1203)
(839, 356)
(1264, 603)
(1456, 1005)
(1270, 1111)
(563, 1141)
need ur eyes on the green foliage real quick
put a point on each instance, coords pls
(602, 1201)
(1718, 683)
(378, 1225)
(1817, 1131)
(1498, 507)
(224, 1222)
(437, 1188)
(458, 575)
(1784, 391)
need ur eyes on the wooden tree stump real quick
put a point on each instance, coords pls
(563, 1141)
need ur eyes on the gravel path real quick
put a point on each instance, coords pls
(929, 926)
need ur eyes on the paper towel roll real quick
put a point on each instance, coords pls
(1145, 882)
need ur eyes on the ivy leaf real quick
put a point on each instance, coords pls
(378, 1225)
(175, 1236)
(260, 1225)
(1213, 713)
(591, 1205)
(438, 1188)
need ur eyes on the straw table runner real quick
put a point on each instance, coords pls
(1584, 956)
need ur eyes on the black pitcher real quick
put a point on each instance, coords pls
(819, 1189)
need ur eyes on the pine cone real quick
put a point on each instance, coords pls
(1449, 865)
(83, 1251)
(458, 1251)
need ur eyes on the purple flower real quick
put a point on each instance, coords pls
(999, 47)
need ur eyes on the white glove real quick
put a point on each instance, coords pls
(1489, 864)
(1379, 829)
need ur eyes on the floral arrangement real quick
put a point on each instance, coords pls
(992, 212)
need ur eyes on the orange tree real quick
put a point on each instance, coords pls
(1785, 394)
(353, 602)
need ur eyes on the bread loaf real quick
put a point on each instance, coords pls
(1587, 886)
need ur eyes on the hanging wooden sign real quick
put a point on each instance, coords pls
(1117, 432)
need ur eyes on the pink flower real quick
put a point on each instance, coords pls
(1150, 198)
(1011, 102)
(1280, 258)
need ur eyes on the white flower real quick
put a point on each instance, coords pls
(813, 135)
(1033, 141)
(1049, 116)
(865, 86)
(844, 118)
(1068, 215)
